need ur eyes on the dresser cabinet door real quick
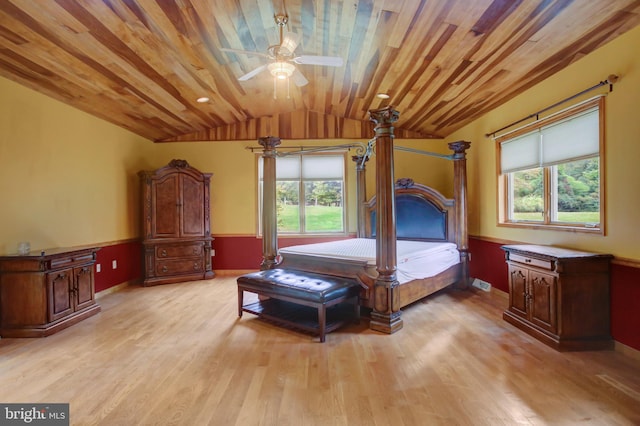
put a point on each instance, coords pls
(84, 287)
(542, 288)
(59, 286)
(518, 291)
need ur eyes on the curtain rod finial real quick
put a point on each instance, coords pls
(612, 78)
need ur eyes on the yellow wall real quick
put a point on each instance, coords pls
(234, 208)
(622, 151)
(427, 170)
(66, 178)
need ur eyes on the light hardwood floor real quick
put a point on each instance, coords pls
(178, 355)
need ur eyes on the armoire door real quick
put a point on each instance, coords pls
(165, 207)
(192, 207)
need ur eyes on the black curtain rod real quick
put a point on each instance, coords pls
(610, 80)
(299, 147)
(311, 148)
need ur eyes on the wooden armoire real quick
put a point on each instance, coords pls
(177, 232)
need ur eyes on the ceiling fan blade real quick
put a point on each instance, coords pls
(245, 52)
(299, 79)
(332, 61)
(253, 73)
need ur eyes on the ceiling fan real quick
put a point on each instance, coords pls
(282, 58)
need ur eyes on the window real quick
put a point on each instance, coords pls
(309, 193)
(550, 172)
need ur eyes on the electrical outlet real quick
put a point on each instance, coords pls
(114, 264)
(213, 252)
(98, 267)
(482, 285)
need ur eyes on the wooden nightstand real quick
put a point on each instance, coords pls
(42, 293)
(560, 296)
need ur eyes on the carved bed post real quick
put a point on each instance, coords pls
(386, 314)
(361, 192)
(269, 212)
(460, 195)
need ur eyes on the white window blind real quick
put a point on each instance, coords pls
(572, 139)
(313, 167)
(323, 167)
(520, 153)
(286, 168)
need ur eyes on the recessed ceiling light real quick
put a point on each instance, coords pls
(382, 96)
(202, 99)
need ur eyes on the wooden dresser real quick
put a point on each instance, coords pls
(44, 292)
(560, 296)
(177, 236)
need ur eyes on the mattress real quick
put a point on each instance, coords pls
(416, 259)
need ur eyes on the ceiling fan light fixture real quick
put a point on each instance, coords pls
(289, 44)
(281, 70)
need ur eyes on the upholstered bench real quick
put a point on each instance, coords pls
(293, 294)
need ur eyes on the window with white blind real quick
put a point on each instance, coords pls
(550, 172)
(309, 193)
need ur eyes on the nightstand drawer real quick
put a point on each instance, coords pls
(530, 261)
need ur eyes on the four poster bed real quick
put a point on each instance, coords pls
(411, 241)
(427, 257)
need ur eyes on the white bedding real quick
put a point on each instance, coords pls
(416, 259)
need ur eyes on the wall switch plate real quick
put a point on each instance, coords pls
(213, 252)
(114, 264)
(98, 267)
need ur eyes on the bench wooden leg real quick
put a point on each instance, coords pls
(357, 309)
(322, 321)
(240, 300)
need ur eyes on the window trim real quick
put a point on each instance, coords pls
(345, 210)
(503, 199)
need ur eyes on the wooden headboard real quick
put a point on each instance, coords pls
(422, 213)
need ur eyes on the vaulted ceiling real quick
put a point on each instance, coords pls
(141, 64)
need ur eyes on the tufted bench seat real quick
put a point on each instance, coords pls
(289, 291)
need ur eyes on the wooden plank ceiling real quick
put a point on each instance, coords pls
(141, 64)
